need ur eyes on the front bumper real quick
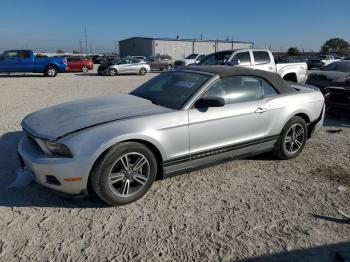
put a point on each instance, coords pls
(52, 171)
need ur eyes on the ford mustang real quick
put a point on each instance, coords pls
(178, 121)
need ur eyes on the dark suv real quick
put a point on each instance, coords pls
(162, 62)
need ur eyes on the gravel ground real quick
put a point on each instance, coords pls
(254, 209)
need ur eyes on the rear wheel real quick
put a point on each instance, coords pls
(51, 71)
(84, 69)
(124, 174)
(143, 71)
(113, 72)
(169, 67)
(292, 139)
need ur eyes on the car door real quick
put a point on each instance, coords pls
(263, 61)
(9, 62)
(242, 119)
(3, 63)
(244, 58)
(75, 63)
(134, 66)
(123, 66)
(25, 62)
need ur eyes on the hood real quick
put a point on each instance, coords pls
(328, 74)
(57, 121)
(344, 81)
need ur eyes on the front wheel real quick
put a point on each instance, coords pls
(113, 72)
(124, 174)
(143, 71)
(51, 71)
(292, 139)
(84, 69)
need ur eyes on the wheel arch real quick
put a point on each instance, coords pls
(304, 116)
(52, 65)
(291, 76)
(158, 153)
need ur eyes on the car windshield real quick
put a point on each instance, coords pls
(192, 56)
(219, 58)
(123, 62)
(171, 89)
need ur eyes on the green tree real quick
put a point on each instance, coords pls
(334, 45)
(293, 51)
(60, 51)
(75, 52)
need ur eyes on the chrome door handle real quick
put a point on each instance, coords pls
(260, 110)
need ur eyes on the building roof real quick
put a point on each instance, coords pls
(186, 40)
(227, 71)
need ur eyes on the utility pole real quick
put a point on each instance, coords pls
(80, 51)
(86, 41)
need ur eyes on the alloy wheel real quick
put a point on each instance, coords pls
(51, 72)
(294, 138)
(129, 174)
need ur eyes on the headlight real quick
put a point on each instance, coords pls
(59, 149)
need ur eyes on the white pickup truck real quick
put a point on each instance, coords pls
(259, 59)
(328, 59)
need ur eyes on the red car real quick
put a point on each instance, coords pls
(79, 64)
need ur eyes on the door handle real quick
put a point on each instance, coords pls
(260, 110)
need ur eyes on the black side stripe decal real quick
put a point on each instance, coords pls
(218, 150)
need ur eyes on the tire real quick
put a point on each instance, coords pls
(51, 71)
(85, 69)
(126, 185)
(143, 71)
(169, 67)
(292, 140)
(113, 72)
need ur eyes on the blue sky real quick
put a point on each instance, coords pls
(50, 25)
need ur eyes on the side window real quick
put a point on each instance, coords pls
(237, 89)
(243, 57)
(268, 89)
(23, 54)
(11, 54)
(261, 57)
(199, 58)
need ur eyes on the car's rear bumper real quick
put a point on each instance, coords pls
(67, 175)
(317, 124)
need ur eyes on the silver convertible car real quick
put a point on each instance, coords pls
(178, 121)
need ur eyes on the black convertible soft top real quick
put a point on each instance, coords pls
(227, 71)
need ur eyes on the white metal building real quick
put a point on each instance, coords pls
(176, 48)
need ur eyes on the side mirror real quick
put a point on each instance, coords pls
(234, 62)
(209, 101)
